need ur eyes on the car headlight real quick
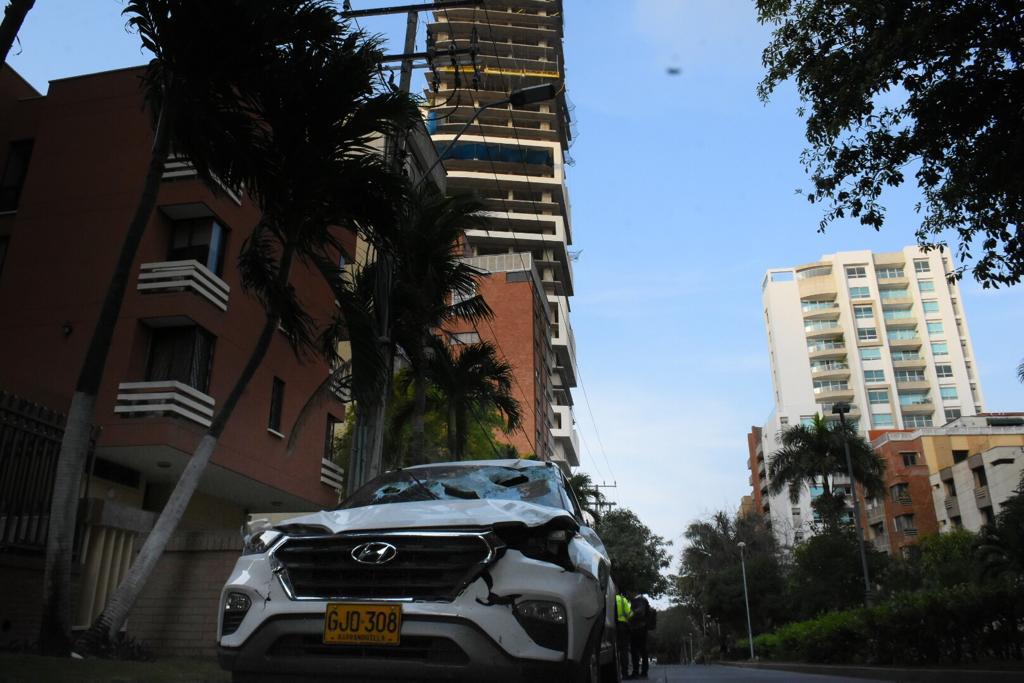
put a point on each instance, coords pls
(235, 607)
(261, 541)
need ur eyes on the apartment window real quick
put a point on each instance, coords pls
(948, 393)
(798, 537)
(980, 478)
(905, 523)
(894, 335)
(905, 355)
(950, 488)
(276, 403)
(783, 421)
(807, 420)
(823, 385)
(863, 312)
(795, 511)
(878, 396)
(899, 493)
(913, 398)
(860, 293)
(180, 354)
(921, 266)
(19, 153)
(934, 329)
(199, 239)
(867, 334)
(960, 456)
(889, 272)
(952, 414)
(909, 459)
(783, 276)
(898, 314)
(819, 271)
(874, 376)
(873, 353)
(856, 272)
(926, 285)
(827, 365)
(930, 306)
(887, 294)
(816, 305)
(465, 338)
(940, 349)
(812, 325)
(910, 376)
(917, 420)
(943, 370)
(333, 450)
(881, 420)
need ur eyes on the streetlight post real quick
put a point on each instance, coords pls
(746, 600)
(842, 409)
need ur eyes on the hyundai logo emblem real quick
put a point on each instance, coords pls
(375, 552)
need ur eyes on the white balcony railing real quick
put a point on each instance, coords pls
(332, 475)
(180, 168)
(164, 398)
(177, 276)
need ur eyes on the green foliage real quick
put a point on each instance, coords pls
(813, 453)
(943, 626)
(827, 575)
(666, 641)
(929, 87)
(947, 559)
(589, 496)
(638, 554)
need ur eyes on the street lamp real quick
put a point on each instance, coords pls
(746, 600)
(517, 98)
(841, 409)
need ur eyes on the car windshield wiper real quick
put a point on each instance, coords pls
(423, 486)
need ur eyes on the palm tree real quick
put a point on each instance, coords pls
(202, 51)
(432, 285)
(320, 112)
(14, 16)
(587, 493)
(812, 454)
(470, 379)
(1020, 371)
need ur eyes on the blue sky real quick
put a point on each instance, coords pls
(682, 196)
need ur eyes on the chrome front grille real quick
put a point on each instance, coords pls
(429, 566)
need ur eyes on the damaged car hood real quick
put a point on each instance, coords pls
(429, 513)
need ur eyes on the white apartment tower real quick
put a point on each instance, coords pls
(514, 159)
(885, 333)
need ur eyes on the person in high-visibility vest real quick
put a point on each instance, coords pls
(623, 613)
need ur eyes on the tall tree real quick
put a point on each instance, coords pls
(469, 379)
(929, 87)
(201, 52)
(587, 492)
(813, 454)
(321, 109)
(14, 17)
(432, 285)
(638, 554)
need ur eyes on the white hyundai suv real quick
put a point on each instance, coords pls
(480, 570)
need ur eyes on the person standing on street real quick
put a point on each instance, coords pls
(644, 619)
(623, 613)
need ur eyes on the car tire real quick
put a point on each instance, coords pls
(610, 672)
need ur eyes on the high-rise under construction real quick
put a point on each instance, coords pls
(514, 159)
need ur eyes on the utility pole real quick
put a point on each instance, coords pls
(602, 504)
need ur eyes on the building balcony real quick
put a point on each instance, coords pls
(841, 371)
(828, 331)
(164, 398)
(565, 435)
(875, 514)
(834, 395)
(563, 341)
(926, 407)
(913, 385)
(824, 351)
(897, 301)
(908, 343)
(178, 276)
(818, 312)
(913, 364)
(893, 282)
(910, 532)
(902, 499)
(178, 167)
(908, 322)
(952, 506)
(332, 475)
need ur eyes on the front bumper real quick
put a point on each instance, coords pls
(433, 648)
(466, 639)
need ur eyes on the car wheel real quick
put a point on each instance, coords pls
(611, 672)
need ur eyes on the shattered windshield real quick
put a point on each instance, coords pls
(540, 485)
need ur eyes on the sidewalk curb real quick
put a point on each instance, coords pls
(893, 674)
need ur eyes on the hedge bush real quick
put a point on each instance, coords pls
(966, 623)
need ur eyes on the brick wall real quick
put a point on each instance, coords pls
(176, 615)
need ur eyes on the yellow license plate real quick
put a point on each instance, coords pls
(348, 623)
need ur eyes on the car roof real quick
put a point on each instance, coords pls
(510, 462)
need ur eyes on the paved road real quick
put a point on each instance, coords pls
(679, 672)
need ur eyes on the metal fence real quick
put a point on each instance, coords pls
(30, 437)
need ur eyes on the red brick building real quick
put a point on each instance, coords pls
(897, 520)
(758, 473)
(73, 164)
